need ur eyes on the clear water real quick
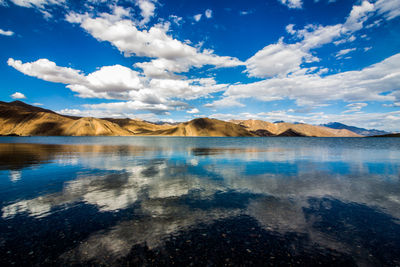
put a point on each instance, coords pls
(123, 201)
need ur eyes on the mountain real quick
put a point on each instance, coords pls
(357, 130)
(20, 119)
(138, 127)
(291, 129)
(205, 127)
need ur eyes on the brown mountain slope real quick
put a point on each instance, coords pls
(300, 129)
(18, 118)
(205, 127)
(138, 127)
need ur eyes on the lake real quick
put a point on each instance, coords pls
(129, 201)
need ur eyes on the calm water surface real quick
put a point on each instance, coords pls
(129, 201)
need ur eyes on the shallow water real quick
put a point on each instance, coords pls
(123, 201)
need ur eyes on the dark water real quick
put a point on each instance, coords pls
(134, 201)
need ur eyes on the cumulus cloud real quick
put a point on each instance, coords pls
(18, 95)
(292, 3)
(119, 82)
(197, 17)
(147, 10)
(208, 13)
(275, 59)
(193, 111)
(47, 70)
(290, 28)
(281, 59)
(170, 55)
(358, 15)
(6, 33)
(369, 84)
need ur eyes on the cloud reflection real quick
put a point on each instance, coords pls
(164, 187)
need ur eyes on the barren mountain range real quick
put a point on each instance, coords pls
(20, 119)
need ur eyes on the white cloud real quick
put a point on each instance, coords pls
(282, 59)
(129, 107)
(208, 13)
(193, 111)
(344, 52)
(355, 107)
(6, 33)
(37, 3)
(292, 3)
(42, 6)
(389, 8)
(358, 15)
(197, 17)
(289, 28)
(246, 12)
(48, 71)
(147, 10)
(376, 23)
(225, 102)
(315, 36)
(275, 59)
(367, 48)
(395, 104)
(329, 1)
(119, 82)
(176, 19)
(18, 95)
(170, 54)
(368, 84)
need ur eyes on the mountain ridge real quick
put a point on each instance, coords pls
(20, 119)
(358, 130)
(290, 129)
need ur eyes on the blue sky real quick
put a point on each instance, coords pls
(312, 61)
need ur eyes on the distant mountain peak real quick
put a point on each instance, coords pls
(358, 130)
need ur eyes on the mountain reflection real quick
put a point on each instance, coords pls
(173, 192)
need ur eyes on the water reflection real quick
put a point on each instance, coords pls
(15, 176)
(315, 204)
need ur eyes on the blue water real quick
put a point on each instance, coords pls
(123, 201)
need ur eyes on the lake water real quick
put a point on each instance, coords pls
(128, 201)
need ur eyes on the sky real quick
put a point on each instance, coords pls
(309, 61)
